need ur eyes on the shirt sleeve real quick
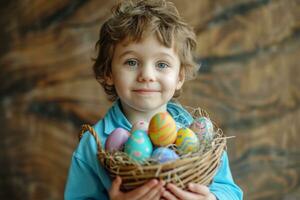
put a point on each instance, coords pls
(223, 185)
(82, 182)
(87, 179)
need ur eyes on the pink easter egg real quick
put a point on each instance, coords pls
(140, 125)
(203, 127)
(116, 140)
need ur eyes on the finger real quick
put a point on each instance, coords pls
(199, 189)
(115, 187)
(181, 194)
(158, 195)
(154, 193)
(142, 190)
(169, 196)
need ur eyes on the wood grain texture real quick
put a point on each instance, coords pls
(248, 82)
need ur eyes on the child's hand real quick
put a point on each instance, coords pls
(151, 190)
(196, 192)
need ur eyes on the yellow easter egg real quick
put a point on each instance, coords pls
(162, 129)
(187, 141)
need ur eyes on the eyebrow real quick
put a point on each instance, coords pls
(166, 54)
(157, 54)
(127, 52)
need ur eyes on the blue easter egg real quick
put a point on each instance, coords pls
(138, 147)
(163, 154)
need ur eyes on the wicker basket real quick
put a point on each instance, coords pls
(199, 167)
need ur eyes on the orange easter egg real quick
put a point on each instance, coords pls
(162, 129)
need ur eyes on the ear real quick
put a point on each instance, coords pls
(181, 79)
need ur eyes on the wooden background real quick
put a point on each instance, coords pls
(249, 83)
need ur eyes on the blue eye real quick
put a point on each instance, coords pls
(131, 63)
(162, 65)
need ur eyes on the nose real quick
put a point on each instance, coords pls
(146, 74)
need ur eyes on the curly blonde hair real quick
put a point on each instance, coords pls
(130, 20)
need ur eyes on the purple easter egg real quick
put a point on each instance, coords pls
(116, 140)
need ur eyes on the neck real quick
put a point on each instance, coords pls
(134, 115)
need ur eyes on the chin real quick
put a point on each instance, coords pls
(144, 107)
(151, 107)
(146, 104)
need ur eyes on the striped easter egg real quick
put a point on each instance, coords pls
(203, 127)
(187, 141)
(162, 129)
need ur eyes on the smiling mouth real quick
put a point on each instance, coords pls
(145, 91)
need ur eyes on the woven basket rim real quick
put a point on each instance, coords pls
(179, 171)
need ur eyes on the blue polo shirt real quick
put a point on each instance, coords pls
(87, 179)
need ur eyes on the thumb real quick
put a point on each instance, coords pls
(115, 187)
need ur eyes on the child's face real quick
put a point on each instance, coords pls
(145, 74)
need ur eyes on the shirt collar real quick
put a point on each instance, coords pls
(181, 116)
(115, 119)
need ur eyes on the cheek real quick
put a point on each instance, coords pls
(118, 81)
(120, 77)
(121, 82)
(170, 82)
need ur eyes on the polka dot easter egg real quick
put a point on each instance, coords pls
(116, 140)
(140, 125)
(187, 141)
(163, 155)
(203, 127)
(139, 146)
(162, 129)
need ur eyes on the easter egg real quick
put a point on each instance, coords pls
(187, 141)
(140, 125)
(116, 140)
(163, 154)
(162, 129)
(203, 127)
(138, 146)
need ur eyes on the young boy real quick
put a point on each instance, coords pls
(145, 55)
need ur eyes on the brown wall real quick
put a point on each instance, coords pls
(249, 83)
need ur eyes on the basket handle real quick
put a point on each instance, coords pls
(86, 127)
